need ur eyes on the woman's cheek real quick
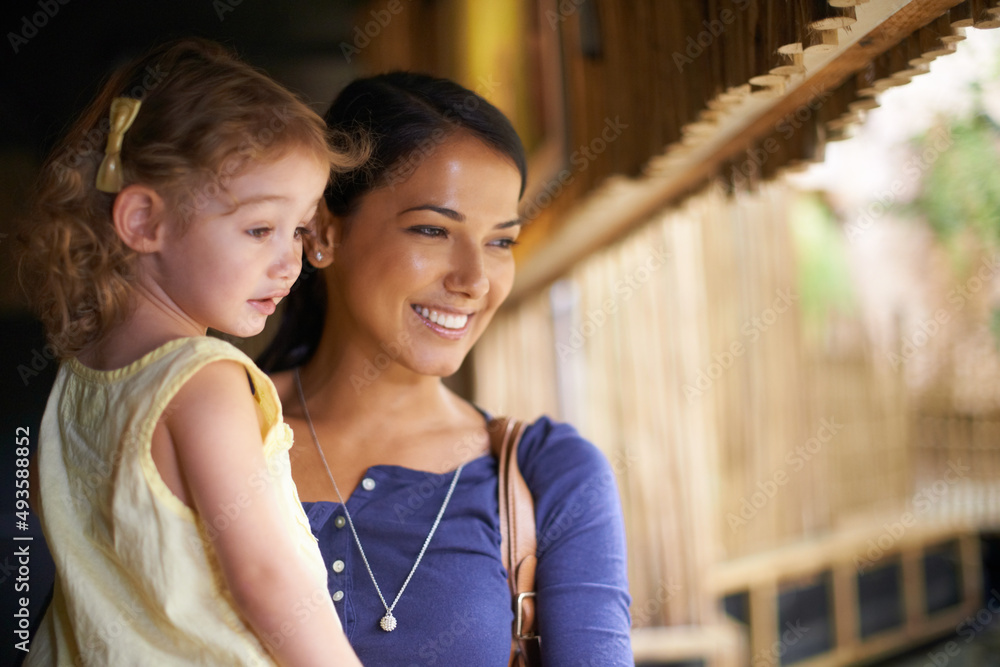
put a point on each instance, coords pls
(503, 283)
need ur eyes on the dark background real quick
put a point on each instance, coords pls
(44, 83)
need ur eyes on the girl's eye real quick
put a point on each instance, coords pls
(424, 230)
(259, 232)
(303, 232)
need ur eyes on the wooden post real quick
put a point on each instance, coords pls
(763, 623)
(845, 606)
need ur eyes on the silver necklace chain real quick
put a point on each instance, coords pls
(388, 622)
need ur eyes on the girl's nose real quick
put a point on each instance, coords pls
(288, 262)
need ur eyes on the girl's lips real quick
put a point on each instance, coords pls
(266, 306)
(452, 326)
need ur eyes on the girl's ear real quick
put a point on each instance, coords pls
(138, 214)
(320, 245)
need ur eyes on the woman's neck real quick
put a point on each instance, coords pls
(346, 385)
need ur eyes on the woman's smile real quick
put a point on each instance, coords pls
(446, 323)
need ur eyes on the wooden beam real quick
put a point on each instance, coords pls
(621, 206)
(724, 644)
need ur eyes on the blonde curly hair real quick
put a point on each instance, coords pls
(205, 116)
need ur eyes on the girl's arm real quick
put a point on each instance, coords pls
(214, 429)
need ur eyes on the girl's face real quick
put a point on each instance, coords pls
(423, 264)
(228, 268)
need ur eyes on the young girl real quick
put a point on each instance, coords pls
(180, 201)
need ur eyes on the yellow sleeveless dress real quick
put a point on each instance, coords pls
(136, 580)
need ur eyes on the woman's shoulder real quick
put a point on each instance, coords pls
(547, 437)
(574, 487)
(554, 455)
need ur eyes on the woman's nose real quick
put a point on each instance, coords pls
(468, 271)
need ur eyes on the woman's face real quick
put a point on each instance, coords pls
(422, 265)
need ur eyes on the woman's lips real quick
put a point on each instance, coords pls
(448, 325)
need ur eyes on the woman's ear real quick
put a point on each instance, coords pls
(137, 214)
(320, 245)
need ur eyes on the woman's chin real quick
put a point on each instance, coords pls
(437, 367)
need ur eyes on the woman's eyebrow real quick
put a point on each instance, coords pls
(441, 210)
(452, 214)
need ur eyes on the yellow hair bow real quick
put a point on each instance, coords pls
(109, 174)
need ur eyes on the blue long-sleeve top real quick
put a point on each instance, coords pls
(456, 609)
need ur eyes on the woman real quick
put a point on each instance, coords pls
(416, 259)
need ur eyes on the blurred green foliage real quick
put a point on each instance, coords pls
(960, 192)
(824, 278)
(960, 195)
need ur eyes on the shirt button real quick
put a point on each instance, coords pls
(338, 566)
(368, 483)
(339, 522)
(338, 596)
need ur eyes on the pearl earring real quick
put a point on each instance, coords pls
(319, 256)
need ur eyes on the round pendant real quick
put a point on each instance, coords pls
(388, 622)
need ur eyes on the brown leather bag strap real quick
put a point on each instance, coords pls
(518, 539)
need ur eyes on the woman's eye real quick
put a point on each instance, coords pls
(429, 231)
(505, 243)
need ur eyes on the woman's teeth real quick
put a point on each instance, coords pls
(441, 319)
